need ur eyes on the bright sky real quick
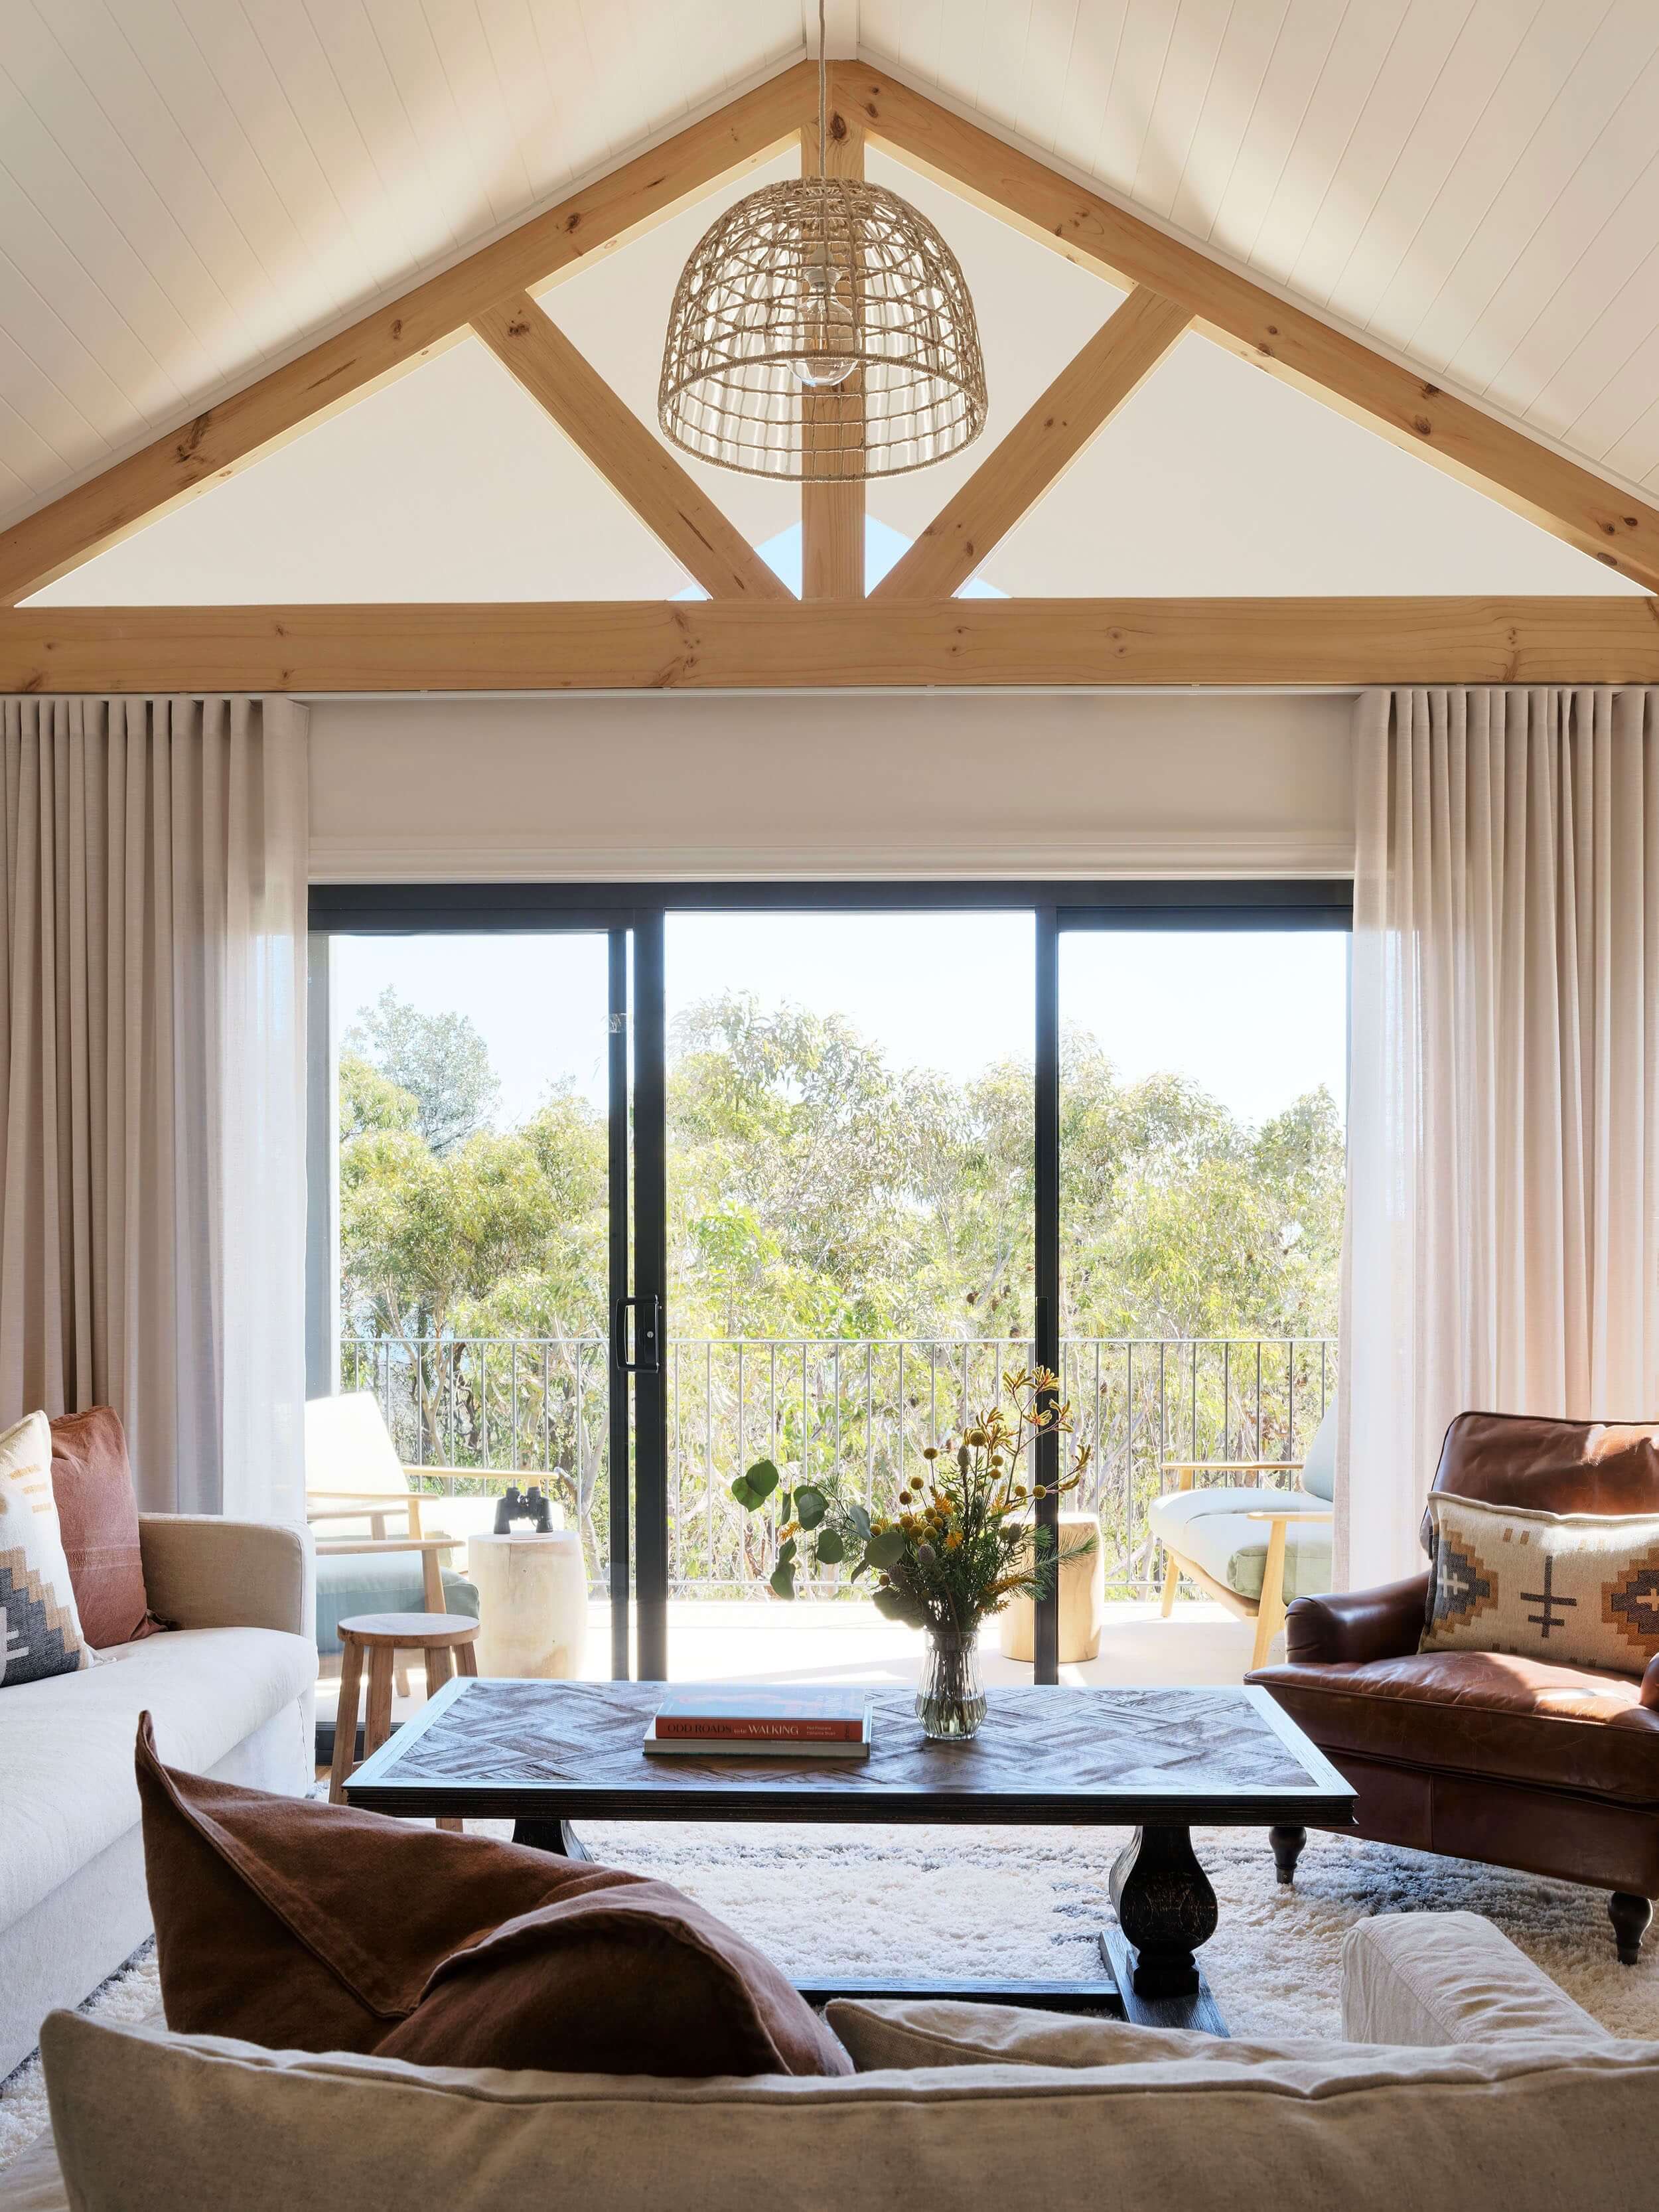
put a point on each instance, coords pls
(1257, 1017)
(882, 548)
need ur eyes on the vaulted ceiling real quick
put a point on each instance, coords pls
(191, 189)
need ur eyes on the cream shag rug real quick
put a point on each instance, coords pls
(986, 1903)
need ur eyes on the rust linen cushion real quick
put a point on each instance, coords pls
(312, 1927)
(98, 1515)
(1576, 1589)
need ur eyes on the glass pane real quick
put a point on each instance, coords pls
(850, 1241)
(1203, 1096)
(473, 1287)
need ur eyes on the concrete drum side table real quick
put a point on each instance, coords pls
(1082, 1598)
(532, 1604)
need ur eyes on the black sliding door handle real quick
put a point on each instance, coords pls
(647, 1335)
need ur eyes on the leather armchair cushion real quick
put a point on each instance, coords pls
(1212, 1528)
(1555, 1466)
(1482, 1713)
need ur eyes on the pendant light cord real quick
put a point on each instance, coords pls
(823, 98)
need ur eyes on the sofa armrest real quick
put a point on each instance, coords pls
(1650, 1684)
(1431, 1979)
(1359, 1625)
(204, 1572)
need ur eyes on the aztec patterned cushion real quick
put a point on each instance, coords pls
(1579, 1588)
(39, 1628)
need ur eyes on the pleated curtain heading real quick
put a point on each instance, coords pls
(152, 998)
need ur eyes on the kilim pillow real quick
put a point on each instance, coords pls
(1581, 1589)
(39, 1627)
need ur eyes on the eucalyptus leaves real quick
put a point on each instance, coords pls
(960, 1542)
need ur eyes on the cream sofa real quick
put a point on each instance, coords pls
(1469, 2080)
(232, 1692)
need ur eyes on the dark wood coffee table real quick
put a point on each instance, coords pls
(1162, 1761)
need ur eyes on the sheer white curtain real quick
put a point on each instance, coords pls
(152, 1041)
(1503, 1245)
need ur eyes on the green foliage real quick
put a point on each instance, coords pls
(754, 1488)
(369, 1100)
(440, 1060)
(817, 1191)
(960, 1542)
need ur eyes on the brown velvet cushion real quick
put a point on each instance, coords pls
(98, 1513)
(311, 1927)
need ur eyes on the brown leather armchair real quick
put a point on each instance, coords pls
(1482, 1755)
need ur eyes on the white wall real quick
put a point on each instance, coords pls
(931, 784)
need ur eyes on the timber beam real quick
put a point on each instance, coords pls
(1039, 449)
(633, 460)
(738, 646)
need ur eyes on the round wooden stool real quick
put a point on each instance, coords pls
(443, 1636)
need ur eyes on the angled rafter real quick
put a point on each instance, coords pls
(1039, 449)
(832, 513)
(345, 367)
(715, 645)
(634, 462)
(1548, 489)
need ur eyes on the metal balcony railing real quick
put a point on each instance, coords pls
(859, 1407)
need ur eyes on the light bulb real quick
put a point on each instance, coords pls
(829, 327)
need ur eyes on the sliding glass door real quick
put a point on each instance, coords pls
(1201, 1099)
(850, 1215)
(624, 1191)
(471, 1248)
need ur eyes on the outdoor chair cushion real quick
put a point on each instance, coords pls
(350, 1582)
(312, 1927)
(1319, 1467)
(1481, 1712)
(1210, 1528)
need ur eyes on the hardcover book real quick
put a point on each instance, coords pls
(758, 1746)
(705, 1716)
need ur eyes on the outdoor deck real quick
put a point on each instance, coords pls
(709, 1641)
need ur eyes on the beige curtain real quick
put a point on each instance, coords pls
(1503, 1114)
(152, 920)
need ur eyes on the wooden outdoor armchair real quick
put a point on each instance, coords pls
(1210, 1542)
(354, 1477)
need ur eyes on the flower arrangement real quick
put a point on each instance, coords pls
(957, 1546)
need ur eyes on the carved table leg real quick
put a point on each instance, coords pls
(1630, 1917)
(1165, 1907)
(1287, 1849)
(549, 1836)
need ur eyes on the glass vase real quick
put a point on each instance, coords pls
(950, 1697)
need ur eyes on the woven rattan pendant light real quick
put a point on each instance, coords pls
(822, 328)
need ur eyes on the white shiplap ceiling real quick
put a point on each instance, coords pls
(192, 189)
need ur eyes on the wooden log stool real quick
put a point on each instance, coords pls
(446, 1638)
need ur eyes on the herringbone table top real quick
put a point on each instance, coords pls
(1075, 1756)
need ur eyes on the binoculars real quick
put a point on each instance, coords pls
(513, 1507)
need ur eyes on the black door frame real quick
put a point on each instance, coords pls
(638, 912)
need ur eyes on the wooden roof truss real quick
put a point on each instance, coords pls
(751, 632)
